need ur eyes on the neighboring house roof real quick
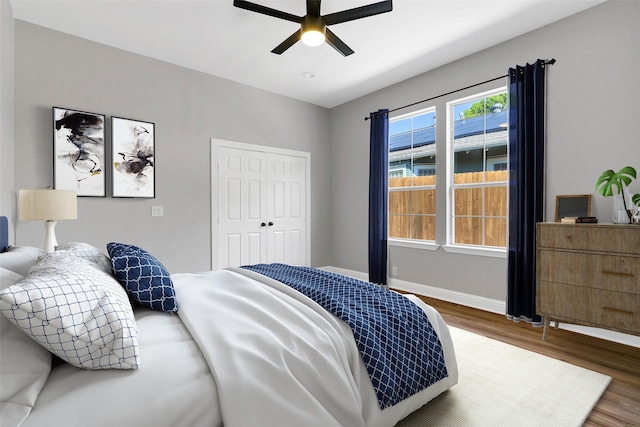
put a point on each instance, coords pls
(464, 128)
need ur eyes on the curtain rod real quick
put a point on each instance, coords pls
(549, 62)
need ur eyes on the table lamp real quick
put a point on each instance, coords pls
(49, 206)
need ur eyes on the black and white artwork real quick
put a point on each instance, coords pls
(78, 151)
(133, 148)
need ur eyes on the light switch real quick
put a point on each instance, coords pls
(157, 211)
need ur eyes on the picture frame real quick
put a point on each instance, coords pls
(133, 158)
(576, 205)
(79, 152)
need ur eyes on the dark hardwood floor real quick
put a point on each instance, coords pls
(620, 403)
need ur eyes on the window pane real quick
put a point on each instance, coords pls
(468, 201)
(495, 232)
(495, 201)
(471, 160)
(399, 202)
(468, 231)
(424, 169)
(412, 146)
(399, 226)
(423, 202)
(423, 227)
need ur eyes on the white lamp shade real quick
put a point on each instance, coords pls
(47, 205)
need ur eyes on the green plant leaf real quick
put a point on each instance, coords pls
(609, 180)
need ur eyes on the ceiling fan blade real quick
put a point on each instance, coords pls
(293, 38)
(247, 5)
(359, 12)
(313, 7)
(335, 42)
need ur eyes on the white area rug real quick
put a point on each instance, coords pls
(501, 385)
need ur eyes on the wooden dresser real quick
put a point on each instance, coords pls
(589, 274)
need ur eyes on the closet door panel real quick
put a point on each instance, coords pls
(241, 207)
(286, 208)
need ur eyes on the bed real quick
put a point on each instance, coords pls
(111, 338)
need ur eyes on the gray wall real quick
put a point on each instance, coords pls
(6, 113)
(188, 108)
(591, 107)
(592, 93)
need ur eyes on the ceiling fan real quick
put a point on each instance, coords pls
(313, 26)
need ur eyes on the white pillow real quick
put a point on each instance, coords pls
(95, 256)
(24, 364)
(76, 311)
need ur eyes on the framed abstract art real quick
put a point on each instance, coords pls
(79, 152)
(133, 158)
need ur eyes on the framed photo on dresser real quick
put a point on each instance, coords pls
(577, 205)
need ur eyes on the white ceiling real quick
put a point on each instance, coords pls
(215, 37)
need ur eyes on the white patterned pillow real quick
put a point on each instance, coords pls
(87, 252)
(77, 312)
(24, 365)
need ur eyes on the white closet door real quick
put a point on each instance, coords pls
(286, 209)
(241, 207)
(259, 205)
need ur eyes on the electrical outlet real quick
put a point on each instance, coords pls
(157, 211)
(394, 270)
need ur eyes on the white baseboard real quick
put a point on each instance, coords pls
(474, 301)
(486, 304)
(481, 303)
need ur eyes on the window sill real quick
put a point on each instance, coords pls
(474, 250)
(416, 244)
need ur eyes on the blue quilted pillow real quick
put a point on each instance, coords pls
(143, 276)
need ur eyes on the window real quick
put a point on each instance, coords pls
(478, 170)
(412, 180)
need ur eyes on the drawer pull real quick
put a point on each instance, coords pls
(617, 273)
(617, 310)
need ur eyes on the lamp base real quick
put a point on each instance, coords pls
(50, 241)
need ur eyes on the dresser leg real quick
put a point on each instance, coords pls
(545, 330)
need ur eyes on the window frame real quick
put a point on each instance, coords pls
(408, 242)
(450, 245)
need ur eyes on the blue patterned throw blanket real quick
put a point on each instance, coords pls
(400, 348)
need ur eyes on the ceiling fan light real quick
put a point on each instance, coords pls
(313, 37)
(313, 30)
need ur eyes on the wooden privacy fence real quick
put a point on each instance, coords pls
(480, 212)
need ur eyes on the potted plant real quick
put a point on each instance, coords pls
(620, 180)
(636, 201)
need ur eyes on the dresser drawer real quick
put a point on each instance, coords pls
(609, 272)
(614, 310)
(590, 237)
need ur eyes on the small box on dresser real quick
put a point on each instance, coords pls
(588, 274)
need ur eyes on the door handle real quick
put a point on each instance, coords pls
(263, 224)
(270, 223)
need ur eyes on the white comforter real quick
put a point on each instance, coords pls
(244, 349)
